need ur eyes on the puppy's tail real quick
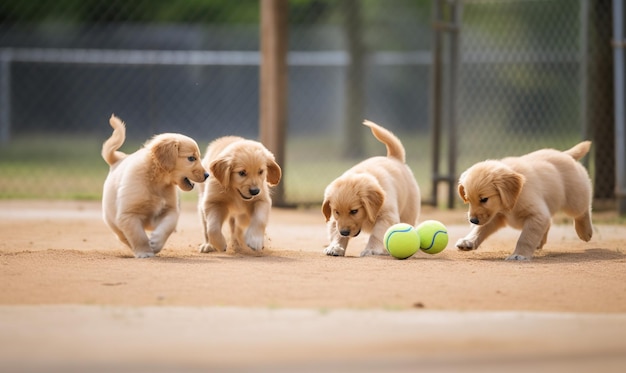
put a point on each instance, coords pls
(393, 144)
(109, 149)
(579, 150)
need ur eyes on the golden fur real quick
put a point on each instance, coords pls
(238, 189)
(370, 197)
(524, 193)
(140, 194)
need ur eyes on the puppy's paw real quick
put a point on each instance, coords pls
(144, 254)
(335, 250)
(255, 242)
(465, 244)
(584, 232)
(367, 252)
(517, 257)
(156, 245)
(206, 248)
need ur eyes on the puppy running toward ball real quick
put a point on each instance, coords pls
(238, 190)
(140, 193)
(524, 193)
(370, 197)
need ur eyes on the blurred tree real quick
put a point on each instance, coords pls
(103, 11)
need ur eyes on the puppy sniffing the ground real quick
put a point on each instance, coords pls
(140, 193)
(524, 193)
(370, 197)
(242, 172)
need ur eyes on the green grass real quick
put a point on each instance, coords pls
(51, 168)
(66, 167)
(313, 162)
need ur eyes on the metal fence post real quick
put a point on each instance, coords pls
(436, 99)
(620, 116)
(5, 96)
(444, 94)
(584, 72)
(455, 31)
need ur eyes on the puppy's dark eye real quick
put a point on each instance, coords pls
(353, 212)
(484, 200)
(242, 173)
(191, 158)
(260, 172)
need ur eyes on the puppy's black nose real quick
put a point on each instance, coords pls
(206, 175)
(474, 220)
(345, 232)
(254, 191)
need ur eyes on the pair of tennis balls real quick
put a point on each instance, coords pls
(403, 240)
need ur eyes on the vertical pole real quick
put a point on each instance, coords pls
(602, 102)
(455, 30)
(273, 84)
(436, 96)
(355, 80)
(440, 93)
(620, 118)
(583, 19)
(5, 97)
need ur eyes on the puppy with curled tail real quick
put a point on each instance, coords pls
(524, 193)
(370, 197)
(139, 193)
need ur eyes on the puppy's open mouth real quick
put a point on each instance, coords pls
(244, 197)
(187, 184)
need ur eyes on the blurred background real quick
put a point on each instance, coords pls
(516, 75)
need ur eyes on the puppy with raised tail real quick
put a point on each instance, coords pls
(140, 193)
(370, 197)
(524, 193)
(238, 190)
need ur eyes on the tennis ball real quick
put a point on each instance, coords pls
(433, 236)
(401, 240)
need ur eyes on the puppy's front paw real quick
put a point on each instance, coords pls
(335, 250)
(255, 242)
(517, 257)
(144, 254)
(465, 244)
(367, 252)
(206, 248)
(156, 245)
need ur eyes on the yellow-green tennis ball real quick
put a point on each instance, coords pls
(433, 236)
(401, 240)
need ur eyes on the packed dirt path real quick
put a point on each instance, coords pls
(73, 297)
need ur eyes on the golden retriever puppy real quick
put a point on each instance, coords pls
(238, 190)
(140, 194)
(525, 192)
(370, 197)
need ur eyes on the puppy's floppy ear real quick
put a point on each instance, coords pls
(274, 172)
(220, 169)
(165, 152)
(461, 187)
(372, 201)
(509, 185)
(326, 210)
(461, 190)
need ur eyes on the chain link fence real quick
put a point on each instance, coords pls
(538, 73)
(526, 81)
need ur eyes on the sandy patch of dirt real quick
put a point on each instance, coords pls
(74, 299)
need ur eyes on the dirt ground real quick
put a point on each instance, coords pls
(73, 297)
